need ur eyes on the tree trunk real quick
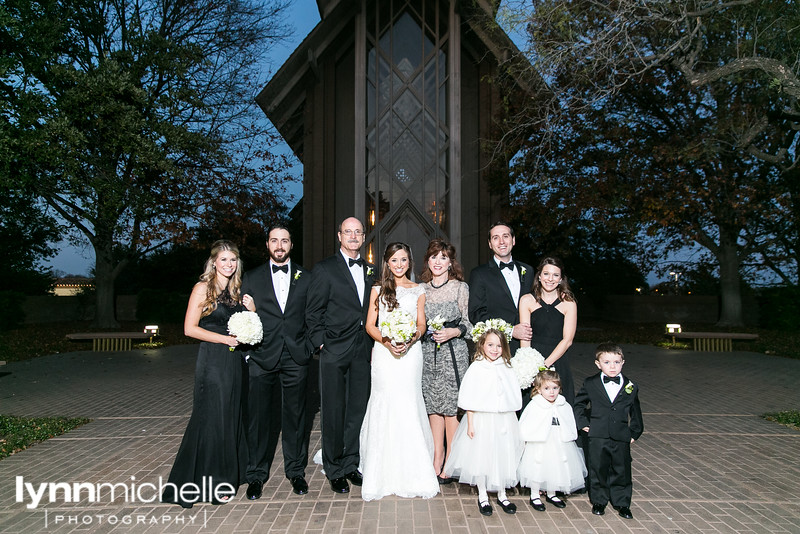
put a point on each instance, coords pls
(104, 277)
(729, 280)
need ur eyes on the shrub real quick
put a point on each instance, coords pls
(160, 306)
(11, 314)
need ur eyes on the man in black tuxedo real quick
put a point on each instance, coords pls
(278, 367)
(495, 287)
(336, 310)
(607, 407)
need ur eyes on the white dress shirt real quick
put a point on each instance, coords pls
(357, 272)
(612, 388)
(512, 279)
(280, 283)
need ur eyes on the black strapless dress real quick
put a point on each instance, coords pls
(214, 447)
(547, 324)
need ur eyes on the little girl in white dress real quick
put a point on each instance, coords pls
(487, 445)
(551, 461)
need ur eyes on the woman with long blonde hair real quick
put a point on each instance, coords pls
(213, 453)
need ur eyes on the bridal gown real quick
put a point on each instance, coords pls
(396, 441)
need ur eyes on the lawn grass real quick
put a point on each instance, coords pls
(790, 418)
(19, 433)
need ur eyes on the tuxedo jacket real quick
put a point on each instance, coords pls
(620, 419)
(489, 296)
(334, 314)
(287, 327)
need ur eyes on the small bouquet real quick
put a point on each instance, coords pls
(398, 326)
(434, 325)
(526, 363)
(246, 327)
(498, 324)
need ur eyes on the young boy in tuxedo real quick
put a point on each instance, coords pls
(607, 407)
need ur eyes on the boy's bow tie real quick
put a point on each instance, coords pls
(614, 379)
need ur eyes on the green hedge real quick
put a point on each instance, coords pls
(11, 314)
(154, 306)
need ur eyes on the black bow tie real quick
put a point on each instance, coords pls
(284, 268)
(359, 262)
(614, 379)
(509, 266)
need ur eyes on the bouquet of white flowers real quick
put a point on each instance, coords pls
(436, 324)
(398, 326)
(527, 362)
(246, 327)
(498, 324)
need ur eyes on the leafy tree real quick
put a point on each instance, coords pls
(129, 118)
(26, 232)
(675, 117)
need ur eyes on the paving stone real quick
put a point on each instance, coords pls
(707, 462)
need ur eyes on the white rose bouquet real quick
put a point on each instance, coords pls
(398, 326)
(246, 327)
(436, 324)
(526, 363)
(498, 324)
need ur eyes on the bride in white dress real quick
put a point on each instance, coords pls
(396, 441)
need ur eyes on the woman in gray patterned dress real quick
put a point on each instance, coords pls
(445, 352)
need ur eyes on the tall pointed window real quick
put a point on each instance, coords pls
(407, 145)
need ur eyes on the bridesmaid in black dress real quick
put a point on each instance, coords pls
(212, 458)
(552, 311)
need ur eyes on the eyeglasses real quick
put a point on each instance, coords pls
(357, 233)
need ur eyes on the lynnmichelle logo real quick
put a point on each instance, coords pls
(133, 492)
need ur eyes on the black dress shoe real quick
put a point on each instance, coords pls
(625, 512)
(445, 480)
(340, 485)
(599, 509)
(299, 485)
(254, 490)
(507, 506)
(355, 478)
(538, 506)
(555, 501)
(485, 508)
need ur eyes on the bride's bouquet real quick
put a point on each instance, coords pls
(246, 327)
(398, 326)
(526, 363)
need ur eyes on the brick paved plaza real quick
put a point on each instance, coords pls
(707, 462)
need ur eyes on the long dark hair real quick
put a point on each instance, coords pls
(387, 291)
(435, 247)
(564, 291)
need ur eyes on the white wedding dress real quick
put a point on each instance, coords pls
(396, 442)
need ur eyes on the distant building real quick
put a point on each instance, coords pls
(69, 286)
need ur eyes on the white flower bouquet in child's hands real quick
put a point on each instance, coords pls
(526, 363)
(246, 327)
(398, 326)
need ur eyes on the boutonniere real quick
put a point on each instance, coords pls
(629, 388)
(523, 271)
(297, 274)
(370, 272)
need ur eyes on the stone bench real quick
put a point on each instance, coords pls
(713, 341)
(110, 341)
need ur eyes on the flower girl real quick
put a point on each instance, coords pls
(487, 445)
(551, 461)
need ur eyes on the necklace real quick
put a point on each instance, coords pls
(434, 286)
